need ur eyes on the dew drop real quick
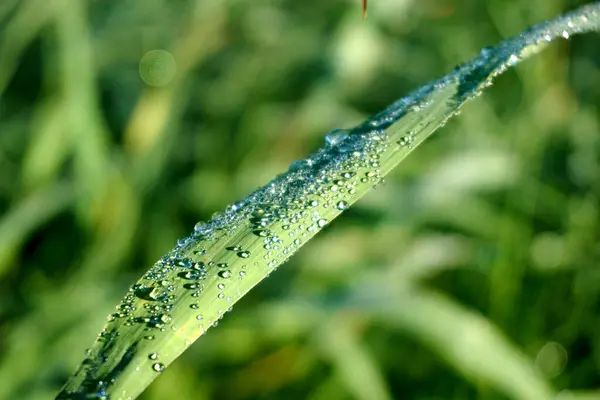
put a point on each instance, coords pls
(405, 140)
(184, 262)
(199, 266)
(487, 51)
(191, 286)
(202, 228)
(158, 367)
(153, 356)
(336, 137)
(156, 294)
(189, 275)
(342, 205)
(243, 254)
(224, 274)
(322, 222)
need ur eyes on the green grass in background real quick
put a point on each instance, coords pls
(102, 173)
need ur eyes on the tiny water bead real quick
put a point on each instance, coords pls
(487, 51)
(199, 266)
(224, 274)
(183, 262)
(513, 59)
(191, 286)
(406, 140)
(153, 356)
(158, 367)
(243, 254)
(336, 136)
(202, 228)
(342, 205)
(190, 275)
(184, 241)
(261, 232)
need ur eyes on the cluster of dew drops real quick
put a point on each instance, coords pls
(297, 204)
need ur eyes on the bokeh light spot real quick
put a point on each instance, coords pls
(157, 68)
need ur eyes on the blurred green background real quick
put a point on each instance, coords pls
(124, 122)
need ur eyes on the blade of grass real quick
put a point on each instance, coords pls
(20, 31)
(191, 287)
(339, 341)
(27, 215)
(467, 341)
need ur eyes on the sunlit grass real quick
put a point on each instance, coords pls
(492, 225)
(191, 288)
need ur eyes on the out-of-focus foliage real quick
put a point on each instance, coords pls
(123, 123)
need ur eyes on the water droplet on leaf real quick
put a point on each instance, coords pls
(158, 367)
(243, 254)
(342, 205)
(336, 137)
(225, 274)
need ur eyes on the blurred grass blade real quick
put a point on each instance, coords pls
(340, 342)
(191, 287)
(466, 340)
(19, 32)
(579, 395)
(35, 209)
